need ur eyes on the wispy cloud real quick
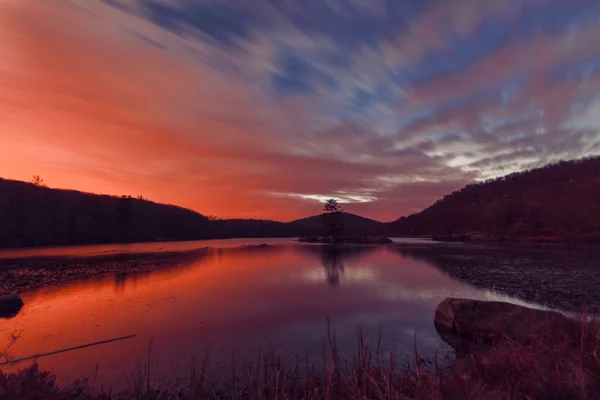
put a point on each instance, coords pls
(262, 108)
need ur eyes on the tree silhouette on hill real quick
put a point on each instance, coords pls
(38, 181)
(332, 219)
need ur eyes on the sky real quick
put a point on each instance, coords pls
(264, 108)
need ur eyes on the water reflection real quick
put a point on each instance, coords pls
(333, 264)
(122, 279)
(236, 299)
(129, 280)
(333, 258)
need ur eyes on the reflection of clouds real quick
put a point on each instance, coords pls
(402, 293)
(352, 274)
(361, 274)
(495, 296)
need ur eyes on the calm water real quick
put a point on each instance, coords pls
(235, 300)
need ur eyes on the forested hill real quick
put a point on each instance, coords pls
(560, 200)
(32, 215)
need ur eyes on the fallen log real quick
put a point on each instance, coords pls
(35, 356)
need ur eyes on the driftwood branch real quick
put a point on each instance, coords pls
(18, 360)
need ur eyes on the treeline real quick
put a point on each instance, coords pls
(32, 214)
(560, 200)
(253, 228)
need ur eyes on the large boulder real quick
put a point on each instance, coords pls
(459, 321)
(10, 305)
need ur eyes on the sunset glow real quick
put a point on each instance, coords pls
(262, 109)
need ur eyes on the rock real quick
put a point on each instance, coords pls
(256, 246)
(310, 239)
(461, 320)
(10, 305)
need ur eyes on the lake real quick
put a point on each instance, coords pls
(233, 301)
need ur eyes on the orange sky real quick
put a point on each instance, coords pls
(88, 109)
(88, 105)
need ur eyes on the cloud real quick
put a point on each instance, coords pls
(257, 110)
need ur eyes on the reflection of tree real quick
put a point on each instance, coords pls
(122, 278)
(332, 219)
(334, 258)
(333, 264)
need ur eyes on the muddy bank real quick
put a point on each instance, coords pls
(22, 274)
(560, 277)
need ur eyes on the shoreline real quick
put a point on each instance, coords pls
(476, 237)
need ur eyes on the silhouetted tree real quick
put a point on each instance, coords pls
(38, 181)
(332, 219)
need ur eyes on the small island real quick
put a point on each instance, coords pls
(334, 229)
(346, 239)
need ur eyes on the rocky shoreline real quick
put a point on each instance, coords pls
(478, 237)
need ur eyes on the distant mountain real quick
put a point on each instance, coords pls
(560, 201)
(32, 215)
(353, 224)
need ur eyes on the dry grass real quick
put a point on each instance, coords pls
(562, 362)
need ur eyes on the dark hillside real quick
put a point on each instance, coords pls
(32, 215)
(560, 201)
